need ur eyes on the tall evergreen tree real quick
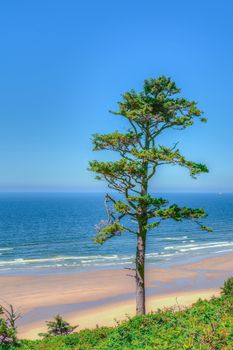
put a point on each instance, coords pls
(151, 112)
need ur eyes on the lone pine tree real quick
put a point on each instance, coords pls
(151, 112)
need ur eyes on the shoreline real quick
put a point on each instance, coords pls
(61, 270)
(99, 297)
(108, 315)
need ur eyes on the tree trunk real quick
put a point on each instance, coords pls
(141, 239)
(140, 275)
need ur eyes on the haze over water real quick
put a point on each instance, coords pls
(55, 231)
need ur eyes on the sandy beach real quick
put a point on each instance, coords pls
(100, 297)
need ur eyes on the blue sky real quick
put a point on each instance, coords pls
(64, 64)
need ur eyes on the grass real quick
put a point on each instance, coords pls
(207, 325)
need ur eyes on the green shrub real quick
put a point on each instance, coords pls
(227, 288)
(58, 327)
(8, 332)
(206, 325)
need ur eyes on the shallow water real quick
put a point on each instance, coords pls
(53, 232)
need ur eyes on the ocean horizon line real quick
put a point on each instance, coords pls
(103, 192)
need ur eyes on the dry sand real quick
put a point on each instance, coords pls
(99, 297)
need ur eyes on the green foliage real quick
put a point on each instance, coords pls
(118, 168)
(121, 207)
(159, 104)
(149, 113)
(109, 231)
(163, 155)
(180, 213)
(8, 332)
(58, 327)
(115, 140)
(227, 288)
(207, 325)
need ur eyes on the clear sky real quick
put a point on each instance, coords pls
(64, 64)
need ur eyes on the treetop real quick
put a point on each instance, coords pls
(159, 106)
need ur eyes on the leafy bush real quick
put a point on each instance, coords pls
(207, 325)
(8, 332)
(227, 288)
(58, 327)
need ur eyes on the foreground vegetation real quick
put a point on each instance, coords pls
(205, 325)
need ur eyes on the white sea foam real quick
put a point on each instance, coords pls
(94, 260)
(224, 251)
(159, 255)
(114, 259)
(149, 255)
(206, 247)
(172, 238)
(190, 246)
(83, 259)
(112, 264)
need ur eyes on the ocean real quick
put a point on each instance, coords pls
(44, 232)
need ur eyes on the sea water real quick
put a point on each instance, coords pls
(55, 231)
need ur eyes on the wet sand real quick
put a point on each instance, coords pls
(99, 297)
